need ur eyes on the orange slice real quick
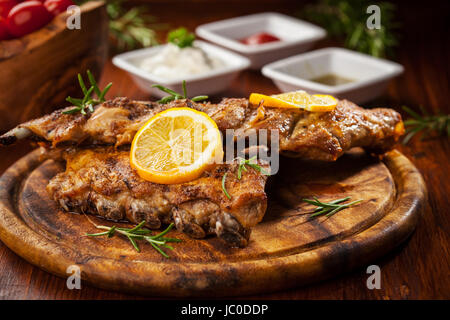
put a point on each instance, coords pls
(176, 146)
(296, 100)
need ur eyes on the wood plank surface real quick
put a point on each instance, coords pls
(418, 269)
(286, 249)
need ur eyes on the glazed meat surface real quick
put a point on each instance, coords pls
(100, 181)
(327, 135)
(309, 135)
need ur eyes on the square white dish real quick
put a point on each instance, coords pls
(296, 36)
(208, 83)
(370, 75)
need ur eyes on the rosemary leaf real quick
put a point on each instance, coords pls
(82, 85)
(166, 90)
(175, 95)
(164, 232)
(133, 242)
(138, 233)
(318, 213)
(87, 95)
(166, 99)
(137, 227)
(412, 113)
(71, 111)
(329, 208)
(411, 133)
(111, 231)
(74, 101)
(333, 202)
(172, 240)
(425, 124)
(184, 88)
(92, 82)
(223, 185)
(87, 101)
(98, 234)
(250, 162)
(159, 250)
(167, 246)
(141, 232)
(199, 98)
(239, 174)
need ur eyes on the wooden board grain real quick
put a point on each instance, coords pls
(287, 249)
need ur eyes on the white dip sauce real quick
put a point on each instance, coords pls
(173, 62)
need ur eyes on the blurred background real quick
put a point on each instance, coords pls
(38, 70)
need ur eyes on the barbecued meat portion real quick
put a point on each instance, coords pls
(101, 181)
(113, 122)
(310, 135)
(327, 135)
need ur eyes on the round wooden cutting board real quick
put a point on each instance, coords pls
(286, 249)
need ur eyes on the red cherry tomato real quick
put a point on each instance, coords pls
(27, 17)
(6, 6)
(4, 34)
(57, 6)
(259, 38)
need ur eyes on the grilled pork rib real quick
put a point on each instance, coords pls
(101, 181)
(309, 135)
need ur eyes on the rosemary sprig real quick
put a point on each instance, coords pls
(329, 208)
(425, 124)
(181, 37)
(252, 164)
(176, 96)
(139, 233)
(346, 19)
(87, 102)
(242, 167)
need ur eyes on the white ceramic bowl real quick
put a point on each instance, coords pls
(296, 36)
(370, 75)
(202, 84)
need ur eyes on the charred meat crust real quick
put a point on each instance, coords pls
(7, 139)
(100, 181)
(309, 135)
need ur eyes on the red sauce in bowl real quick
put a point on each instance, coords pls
(259, 38)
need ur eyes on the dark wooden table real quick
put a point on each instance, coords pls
(418, 269)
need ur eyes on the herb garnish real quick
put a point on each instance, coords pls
(426, 123)
(87, 101)
(181, 37)
(329, 208)
(242, 167)
(138, 233)
(250, 162)
(176, 96)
